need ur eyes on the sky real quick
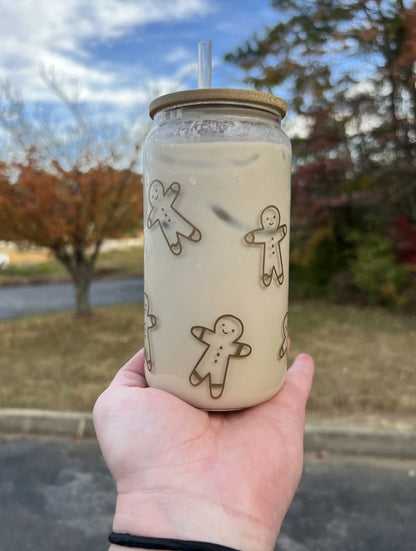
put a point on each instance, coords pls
(118, 55)
(121, 53)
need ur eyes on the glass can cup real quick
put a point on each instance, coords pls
(216, 169)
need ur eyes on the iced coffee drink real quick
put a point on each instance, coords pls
(217, 208)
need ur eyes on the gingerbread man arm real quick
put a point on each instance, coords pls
(242, 350)
(152, 319)
(251, 237)
(151, 218)
(173, 191)
(201, 333)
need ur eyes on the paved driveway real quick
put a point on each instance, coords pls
(58, 494)
(36, 299)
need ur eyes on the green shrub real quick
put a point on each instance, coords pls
(375, 271)
(358, 267)
(314, 262)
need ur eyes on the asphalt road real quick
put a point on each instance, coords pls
(58, 494)
(16, 301)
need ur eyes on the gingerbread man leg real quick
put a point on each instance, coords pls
(147, 353)
(269, 267)
(285, 337)
(217, 378)
(279, 266)
(216, 375)
(149, 324)
(216, 384)
(176, 227)
(272, 264)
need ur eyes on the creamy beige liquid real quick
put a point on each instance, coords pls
(216, 270)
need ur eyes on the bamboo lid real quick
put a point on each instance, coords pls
(210, 96)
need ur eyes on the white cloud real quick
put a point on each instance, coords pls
(178, 54)
(57, 35)
(64, 24)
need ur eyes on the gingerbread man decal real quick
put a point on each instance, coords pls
(285, 338)
(149, 323)
(269, 236)
(221, 345)
(173, 225)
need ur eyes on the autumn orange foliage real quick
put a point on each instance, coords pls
(70, 212)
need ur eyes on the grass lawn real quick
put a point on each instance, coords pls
(123, 262)
(60, 362)
(365, 358)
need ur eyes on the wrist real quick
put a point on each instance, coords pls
(165, 515)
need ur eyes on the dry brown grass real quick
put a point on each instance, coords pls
(62, 363)
(26, 257)
(365, 358)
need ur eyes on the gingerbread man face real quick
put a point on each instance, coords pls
(270, 218)
(155, 192)
(228, 328)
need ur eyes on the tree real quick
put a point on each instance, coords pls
(349, 69)
(70, 213)
(64, 188)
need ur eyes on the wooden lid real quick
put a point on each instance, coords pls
(210, 96)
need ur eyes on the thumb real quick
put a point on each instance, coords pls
(300, 376)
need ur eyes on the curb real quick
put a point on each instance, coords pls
(347, 440)
(39, 422)
(397, 443)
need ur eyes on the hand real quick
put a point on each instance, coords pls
(226, 478)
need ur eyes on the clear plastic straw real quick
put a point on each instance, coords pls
(204, 64)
